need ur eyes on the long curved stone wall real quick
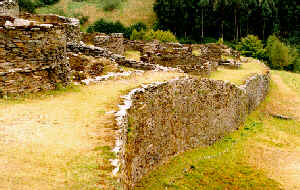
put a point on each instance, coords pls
(160, 121)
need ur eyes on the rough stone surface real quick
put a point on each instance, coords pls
(32, 56)
(9, 8)
(113, 42)
(71, 25)
(99, 52)
(166, 119)
(84, 67)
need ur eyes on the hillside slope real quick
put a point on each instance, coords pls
(129, 12)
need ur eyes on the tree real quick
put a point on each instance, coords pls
(220, 6)
(267, 8)
(203, 4)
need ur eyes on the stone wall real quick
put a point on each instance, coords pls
(9, 8)
(178, 55)
(99, 52)
(70, 25)
(113, 42)
(32, 56)
(165, 119)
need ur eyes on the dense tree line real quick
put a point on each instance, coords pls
(231, 19)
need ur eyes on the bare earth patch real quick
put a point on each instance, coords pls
(56, 143)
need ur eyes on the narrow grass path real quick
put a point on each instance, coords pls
(63, 141)
(277, 150)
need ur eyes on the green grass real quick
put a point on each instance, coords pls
(238, 76)
(291, 79)
(221, 166)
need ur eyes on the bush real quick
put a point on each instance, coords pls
(107, 27)
(27, 5)
(109, 5)
(48, 2)
(251, 46)
(162, 36)
(138, 27)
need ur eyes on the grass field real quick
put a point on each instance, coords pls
(129, 12)
(238, 76)
(263, 154)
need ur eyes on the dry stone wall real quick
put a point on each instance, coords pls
(71, 25)
(166, 119)
(32, 56)
(9, 8)
(113, 42)
(99, 52)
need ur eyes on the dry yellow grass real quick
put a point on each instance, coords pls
(238, 76)
(53, 143)
(131, 11)
(134, 55)
(277, 148)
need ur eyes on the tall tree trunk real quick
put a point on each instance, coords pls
(263, 37)
(235, 26)
(222, 29)
(202, 25)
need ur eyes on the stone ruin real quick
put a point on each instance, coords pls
(36, 52)
(9, 8)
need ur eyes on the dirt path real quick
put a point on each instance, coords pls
(290, 100)
(277, 150)
(58, 143)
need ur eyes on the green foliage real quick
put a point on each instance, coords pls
(31, 5)
(82, 19)
(294, 58)
(138, 27)
(48, 2)
(251, 46)
(109, 5)
(107, 27)
(220, 41)
(231, 19)
(150, 35)
(280, 55)
(27, 5)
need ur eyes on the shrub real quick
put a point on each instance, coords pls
(162, 36)
(27, 5)
(109, 5)
(251, 46)
(220, 41)
(82, 19)
(138, 27)
(107, 27)
(281, 56)
(48, 2)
